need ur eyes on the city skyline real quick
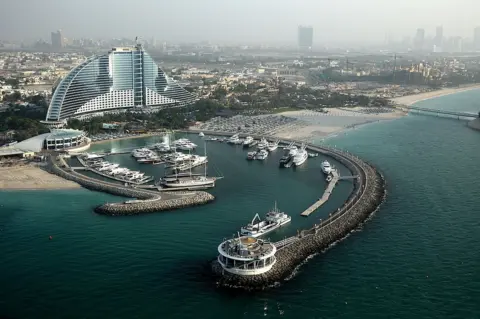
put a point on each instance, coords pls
(216, 21)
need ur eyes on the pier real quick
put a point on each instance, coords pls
(326, 195)
(458, 115)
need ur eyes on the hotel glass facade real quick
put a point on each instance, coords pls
(124, 78)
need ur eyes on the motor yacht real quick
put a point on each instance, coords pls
(149, 160)
(247, 141)
(193, 182)
(162, 147)
(251, 155)
(272, 146)
(108, 167)
(262, 144)
(89, 156)
(326, 167)
(301, 156)
(234, 139)
(142, 152)
(273, 220)
(261, 155)
(184, 144)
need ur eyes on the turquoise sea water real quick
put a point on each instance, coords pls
(417, 258)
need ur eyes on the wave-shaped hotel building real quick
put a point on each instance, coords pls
(124, 78)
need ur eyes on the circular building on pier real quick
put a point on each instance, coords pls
(246, 256)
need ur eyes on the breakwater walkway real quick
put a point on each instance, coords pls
(368, 194)
(326, 195)
(147, 201)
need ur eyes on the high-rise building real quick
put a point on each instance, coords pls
(125, 78)
(476, 38)
(305, 37)
(57, 40)
(438, 40)
(419, 40)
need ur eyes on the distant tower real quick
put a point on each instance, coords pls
(57, 40)
(438, 41)
(305, 37)
(476, 38)
(419, 40)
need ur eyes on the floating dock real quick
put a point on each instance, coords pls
(326, 195)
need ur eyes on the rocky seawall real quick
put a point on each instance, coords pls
(147, 201)
(155, 205)
(475, 124)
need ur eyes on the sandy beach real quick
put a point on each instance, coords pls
(412, 99)
(311, 124)
(26, 177)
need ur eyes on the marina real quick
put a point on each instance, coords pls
(114, 172)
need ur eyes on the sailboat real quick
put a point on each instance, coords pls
(191, 180)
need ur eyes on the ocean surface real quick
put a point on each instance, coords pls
(418, 257)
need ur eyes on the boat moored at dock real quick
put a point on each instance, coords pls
(247, 141)
(251, 155)
(326, 167)
(261, 155)
(273, 220)
(300, 156)
(272, 146)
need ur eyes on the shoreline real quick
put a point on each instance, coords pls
(415, 98)
(326, 130)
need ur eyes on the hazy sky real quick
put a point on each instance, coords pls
(246, 21)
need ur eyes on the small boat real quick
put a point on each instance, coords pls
(326, 167)
(261, 155)
(251, 155)
(201, 134)
(312, 155)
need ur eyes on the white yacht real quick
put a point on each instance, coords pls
(142, 152)
(119, 171)
(301, 156)
(178, 157)
(262, 144)
(261, 155)
(272, 146)
(248, 140)
(194, 161)
(326, 167)
(273, 220)
(108, 167)
(89, 156)
(149, 160)
(251, 155)
(162, 147)
(201, 134)
(234, 139)
(184, 144)
(194, 181)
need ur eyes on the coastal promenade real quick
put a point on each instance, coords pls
(368, 194)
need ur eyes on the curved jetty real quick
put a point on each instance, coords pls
(147, 201)
(368, 194)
